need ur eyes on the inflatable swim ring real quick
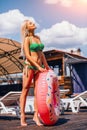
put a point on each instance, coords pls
(48, 99)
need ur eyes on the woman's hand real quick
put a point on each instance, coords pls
(42, 69)
(48, 68)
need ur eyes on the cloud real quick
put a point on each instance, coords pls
(66, 3)
(51, 1)
(64, 35)
(10, 22)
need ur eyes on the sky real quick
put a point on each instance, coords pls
(61, 24)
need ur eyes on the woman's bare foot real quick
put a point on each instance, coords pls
(37, 121)
(23, 122)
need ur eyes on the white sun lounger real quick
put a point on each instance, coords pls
(9, 103)
(75, 102)
(29, 108)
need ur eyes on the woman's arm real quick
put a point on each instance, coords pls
(44, 61)
(44, 58)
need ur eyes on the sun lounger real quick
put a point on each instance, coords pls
(29, 108)
(9, 103)
(75, 102)
(63, 92)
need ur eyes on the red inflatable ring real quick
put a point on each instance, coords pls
(48, 99)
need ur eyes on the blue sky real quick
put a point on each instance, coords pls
(62, 24)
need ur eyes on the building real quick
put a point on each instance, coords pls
(70, 68)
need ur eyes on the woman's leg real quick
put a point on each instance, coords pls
(26, 85)
(36, 118)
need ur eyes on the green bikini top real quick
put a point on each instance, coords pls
(36, 47)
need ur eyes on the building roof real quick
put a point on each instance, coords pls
(69, 57)
(9, 57)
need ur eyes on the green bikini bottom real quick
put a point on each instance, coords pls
(32, 67)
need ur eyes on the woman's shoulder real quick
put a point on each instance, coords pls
(27, 39)
(37, 37)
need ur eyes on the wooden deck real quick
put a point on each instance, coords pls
(68, 121)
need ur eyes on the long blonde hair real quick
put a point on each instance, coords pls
(24, 33)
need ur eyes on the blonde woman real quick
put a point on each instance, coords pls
(35, 62)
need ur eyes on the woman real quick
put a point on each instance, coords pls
(34, 62)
